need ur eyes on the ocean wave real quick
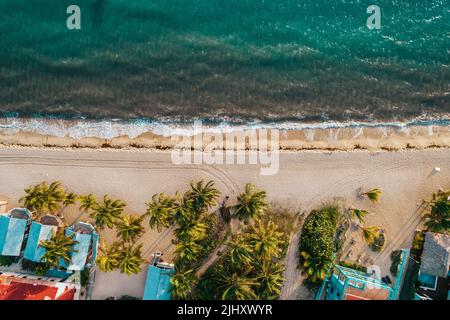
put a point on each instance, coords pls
(112, 128)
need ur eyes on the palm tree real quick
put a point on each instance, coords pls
(34, 199)
(182, 284)
(184, 209)
(69, 200)
(203, 195)
(192, 231)
(374, 195)
(161, 211)
(107, 212)
(359, 214)
(438, 219)
(87, 202)
(43, 198)
(110, 258)
(369, 234)
(316, 268)
(129, 228)
(130, 260)
(270, 279)
(265, 240)
(237, 287)
(187, 252)
(241, 252)
(251, 204)
(58, 247)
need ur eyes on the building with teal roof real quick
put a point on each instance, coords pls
(13, 227)
(85, 251)
(157, 285)
(38, 232)
(350, 284)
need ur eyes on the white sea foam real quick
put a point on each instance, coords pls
(108, 129)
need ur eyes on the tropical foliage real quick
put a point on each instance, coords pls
(129, 227)
(203, 195)
(251, 204)
(58, 248)
(316, 245)
(377, 244)
(359, 214)
(374, 195)
(88, 202)
(130, 259)
(107, 212)
(438, 218)
(187, 252)
(237, 287)
(110, 257)
(182, 283)
(196, 229)
(250, 269)
(47, 198)
(161, 211)
(369, 234)
(127, 258)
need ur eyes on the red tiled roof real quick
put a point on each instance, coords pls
(14, 288)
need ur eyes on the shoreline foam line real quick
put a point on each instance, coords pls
(113, 128)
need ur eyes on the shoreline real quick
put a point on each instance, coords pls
(327, 139)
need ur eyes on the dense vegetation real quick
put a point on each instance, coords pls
(197, 230)
(317, 247)
(438, 217)
(251, 265)
(6, 261)
(251, 268)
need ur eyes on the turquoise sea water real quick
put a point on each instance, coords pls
(226, 60)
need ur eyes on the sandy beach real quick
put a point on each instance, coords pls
(91, 134)
(305, 180)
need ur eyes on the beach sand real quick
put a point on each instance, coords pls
(305, 180)
(67, 134)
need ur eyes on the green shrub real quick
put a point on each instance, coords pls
(418, 241)
(414, 283)
(41, 269)
(35, 267)
(395, 258)
(6, 261)
(214, 227)
(318, 238)
(353, 265)
(287, 221)
(378, 243)
(84, 277)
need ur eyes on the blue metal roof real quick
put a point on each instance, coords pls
(12, 232)
(157, 285)
(38, 232)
